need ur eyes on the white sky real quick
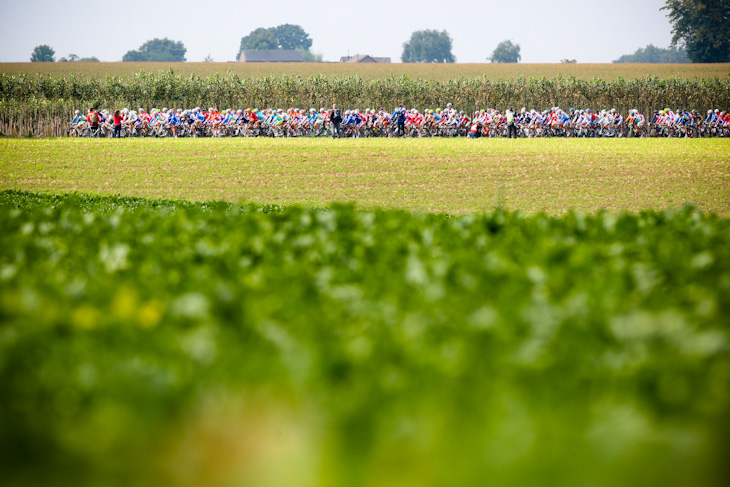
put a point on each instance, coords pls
(547, 30)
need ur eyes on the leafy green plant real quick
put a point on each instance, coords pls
(159, 342)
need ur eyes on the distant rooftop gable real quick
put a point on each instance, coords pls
(364, 58)
(270, 56)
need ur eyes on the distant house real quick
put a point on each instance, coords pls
(364, 58)
(270, 56)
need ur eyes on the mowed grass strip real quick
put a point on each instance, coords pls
(424, 175)
(440, 72)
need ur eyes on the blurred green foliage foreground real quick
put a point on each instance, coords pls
(212, 344)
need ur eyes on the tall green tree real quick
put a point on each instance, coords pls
(702, 28)
(285, 36)
(158, 50)
(259, 39)
(428, 46)
(73, 58)
(653, 54)
(43, 54)
(506, 52)
(292, 37)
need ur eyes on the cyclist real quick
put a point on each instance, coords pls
(77, 123)
(94, 119)
(312, 121)
(174, 121)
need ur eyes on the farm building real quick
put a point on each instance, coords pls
(364, 58)
(270, 56)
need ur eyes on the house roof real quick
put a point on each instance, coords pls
(364, 58)
(270, 56)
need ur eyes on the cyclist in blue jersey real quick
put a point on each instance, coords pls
(685, 123)
(174, 118)
(79, 118)
(313, 121)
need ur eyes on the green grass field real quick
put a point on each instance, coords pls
(446, 176)
(328, 313)
(440, 72)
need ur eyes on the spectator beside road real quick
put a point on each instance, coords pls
(117, 124)
(336, 119)
(399, 117)
(511, 127)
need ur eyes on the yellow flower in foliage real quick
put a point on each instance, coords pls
(124, 303)
(150, 314)
(85, 317)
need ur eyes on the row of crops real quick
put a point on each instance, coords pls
(36, 104)
(150, 342)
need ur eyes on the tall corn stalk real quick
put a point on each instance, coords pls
(43, 105)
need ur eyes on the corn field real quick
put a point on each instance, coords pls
(35, 105)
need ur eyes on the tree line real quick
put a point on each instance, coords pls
(699, 35)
